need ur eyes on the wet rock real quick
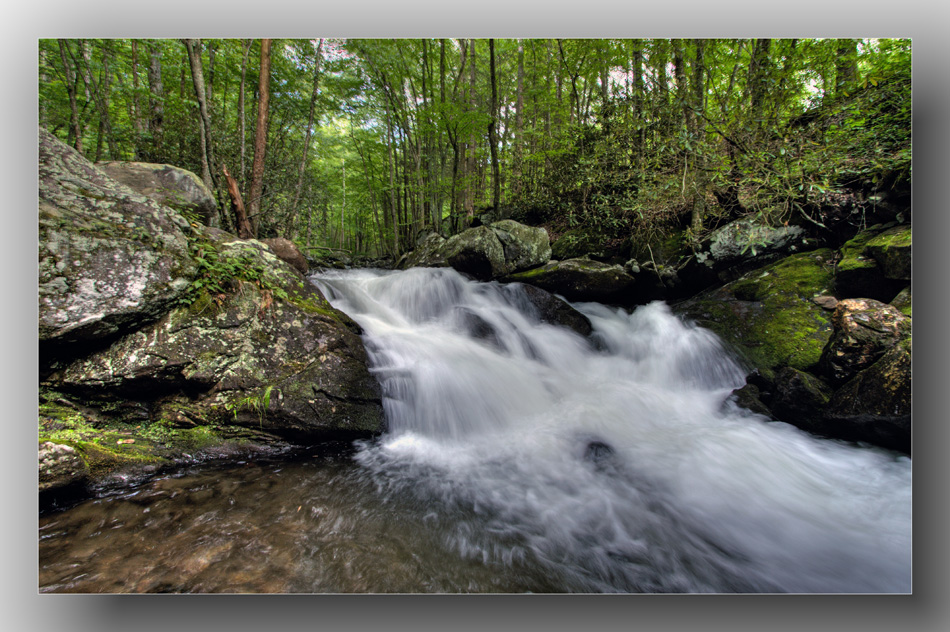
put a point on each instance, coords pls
(891, 250)
(750, 398)
(903, 302)
(799, 397)
(170, 186)
(769, 315)
(580, 280)
(289, 252)
(552, 310)
(110, 259)
(60, 465)
(875, 405)
(864, 329)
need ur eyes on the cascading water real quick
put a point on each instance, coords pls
(613, 463)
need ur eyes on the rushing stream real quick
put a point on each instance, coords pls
(519, 457)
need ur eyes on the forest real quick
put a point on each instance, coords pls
(362, 145)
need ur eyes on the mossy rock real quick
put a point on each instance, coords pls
(859, 274)
(769, 315)
(892, 251)
(580, 280)
(903, 302)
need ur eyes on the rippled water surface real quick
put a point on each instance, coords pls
(520, 457)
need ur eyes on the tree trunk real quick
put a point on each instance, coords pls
(260, 139)
(204, 122)
(75, 129)
(156, 103)
(242, 134)
(470, 171)
(244, 230)
(846, 66)
(519, 123)
(492, 138)
(699, 182)
(291, 213)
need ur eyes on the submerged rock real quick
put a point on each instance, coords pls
(554, 311)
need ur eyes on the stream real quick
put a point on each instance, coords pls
(520, 457)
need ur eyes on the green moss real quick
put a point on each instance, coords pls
(769, 315)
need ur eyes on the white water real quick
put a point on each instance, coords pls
(613, 466)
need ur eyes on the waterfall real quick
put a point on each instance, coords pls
(614, 462)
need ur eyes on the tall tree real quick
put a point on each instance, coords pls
(260, 137)
(492, 133)
(204, 121)
(292, 212)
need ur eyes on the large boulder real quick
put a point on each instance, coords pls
(580, 280)
(60, 465)
(170, 186)
(864, 329)
(525, 247)
(874, 264)
(476, 252)
(262, 346)
(772, 316)
(746, 244)
(483, 252)
(110, 259)
(552, 310)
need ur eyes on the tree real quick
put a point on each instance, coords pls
(260, 138)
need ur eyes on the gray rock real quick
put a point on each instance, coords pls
(581, 280)
(170, 186)
(293, 365)
(525, 247)
(110, 259)
(289, 252)
(60, 465)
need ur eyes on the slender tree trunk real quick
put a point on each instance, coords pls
(98, 91)
(260, 138)
(244, 229)
(242, 134)
(846, 66)
(699, 169)
(519, 123)
(156, 104)
(138, 125)
(204, 122)
(75, 129)
(492, 136)
(291, 213)
(470, 180)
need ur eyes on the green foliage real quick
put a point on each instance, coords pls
(218, 273)
(258, 403)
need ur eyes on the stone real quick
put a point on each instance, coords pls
(875, 405)
(289, 252)
(110, 259)
(524, 246)
(269, 354)
(858, 274)
(170, 186)
(552, 310)
(476, 252)
(903, 302)
(891, 250)
(60, 465)
(580, 280)
(769, 315)
(864, 329)
(746, 243)
(799, 397)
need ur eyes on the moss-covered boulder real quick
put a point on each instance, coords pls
(170, 186)
(799, 397)
(892, 251)
(769, 315)
(110, 259)
(60, 465)
(903, 302)
(260, 346)
(864, 329)
(580, 280)
(859, 272)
